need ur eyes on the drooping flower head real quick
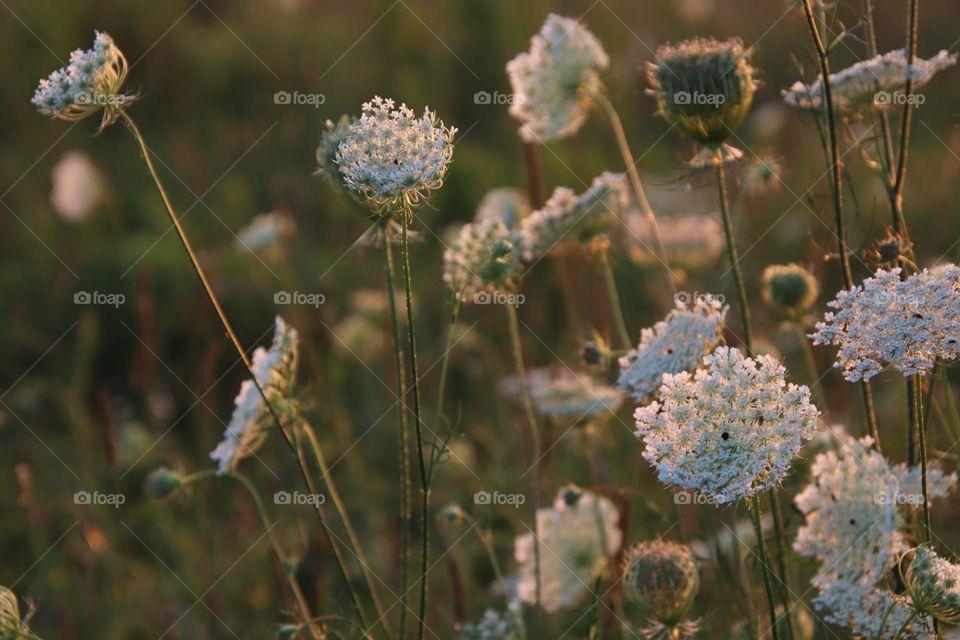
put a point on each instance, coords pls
(485, 257)
(677, 343)
(578, 537)
(90, 82)
(877, 83)
(553, 80)
(790, 288)
(886, 321)
(690, 241)
(506, 204)
(567, 218)
(932, 583)
(390, 158)
(565, 395)
(661, 576)
(731, 430)
(703, 86)
(275, 370)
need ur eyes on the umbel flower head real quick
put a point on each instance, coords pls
(11, 625)
(567, 218)
(275, 370)
(876, 83)
(676, 343)
(493, 626)
(566, 395)
(485, 257)
(552, 81)
(854, 525)
(790, 288)
(506, 204)
(661, 576)
(90, 82)
(932, 583)
(703, 86)
(887, 321)
(333, 135)
(729, 431)
(690, 241)
(578, 536)
(391, 159)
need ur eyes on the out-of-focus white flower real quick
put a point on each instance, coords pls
(391, 159)
(275, 370)
(691, 241)
(677, 343)
(854, 528)
(77, 186)
(493, 626)
(567, 218)
(578, 537)
(886, 321)
(553, 80)
(266, 229)
(729, 431)
(506, 204)
(563, 394)
(933, 584)
(871, 83)
(486, 256)
(90, 82)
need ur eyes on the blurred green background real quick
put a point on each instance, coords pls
(94, 397)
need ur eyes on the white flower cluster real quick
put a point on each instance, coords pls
(854, 528)
(391, 158)
(266, 229)
(493, 626)
(933, 584)
(77, 186)
(858, 86)
(567, 218)
(578, 538)
(91, 80)
(275, 370)
(677, 343)
(486, 256)
(564, 394)
(691, 241)
(552, 80)
(886, 321)
(729, 431)
(506, 204)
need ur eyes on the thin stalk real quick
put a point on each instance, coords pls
(780, 533)
(403, 444)
(811, 364)
(906, 623)
(913, 14)
(514, 328)
(765, 564)
(636, 184)
(445, 365)
(732, 256)
(614, 297)
(415, 385)
(922, 440)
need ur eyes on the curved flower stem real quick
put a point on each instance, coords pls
(445, 364)
(765, 565)
(514, 328)
(418, 423)
(292, 443)
(732, 256)
(406, 513)
(636, 184)
(614, 299)
(913, 14)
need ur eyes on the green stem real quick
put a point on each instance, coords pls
(913, 14)
(903, 627)
(780, 533)
(811, 364)
(765, 565)
(732, 256)
(614, 297)
(922, 440)
(445, 364)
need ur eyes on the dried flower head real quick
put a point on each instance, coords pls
(391, 159)
(691, 241)
(661, 576)
(275, 370)
(506, 204)
(486, 256)
(703, 86)
(790, 288)
(677, 343)
(11, 624)
(877, 83)
(552, 81)
(932, 583)
(90, 82)
(578, 536)
(563, 394)
(887, 321)
(729, 431)
(890, 249)
(567, 218)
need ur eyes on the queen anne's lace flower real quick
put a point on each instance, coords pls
(275, 370)
(690, 241)
(854, 527)
(578, 536)
(506, 204)
(933, 584)
(552, 81)
(906, 324)
(390, 158)
(486, 256)
(731, 430)
(493, 626)
(869, 84)
(563, 394)
(676, 343)
(91, 81)
(568, 218)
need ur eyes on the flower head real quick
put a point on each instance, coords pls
(676, 343)
(333, 135)
(506, 204)
(275, 370)
(691, 241)
(703, 86)
(729, 431)
(77, 186)
(662, 577)
(887, 321)
(553, 80)
(493, 626)
(874, 83)
(90, 82)
(567, 218)
(790, 288)
(162, 482)
(266, 229)
(11, 624)
(933, 584)
(486, 256)
(392, 159)
(563, 394)
(578, 536)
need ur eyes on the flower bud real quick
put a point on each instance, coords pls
(162, 482)
(662, 577)
(790, 288)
